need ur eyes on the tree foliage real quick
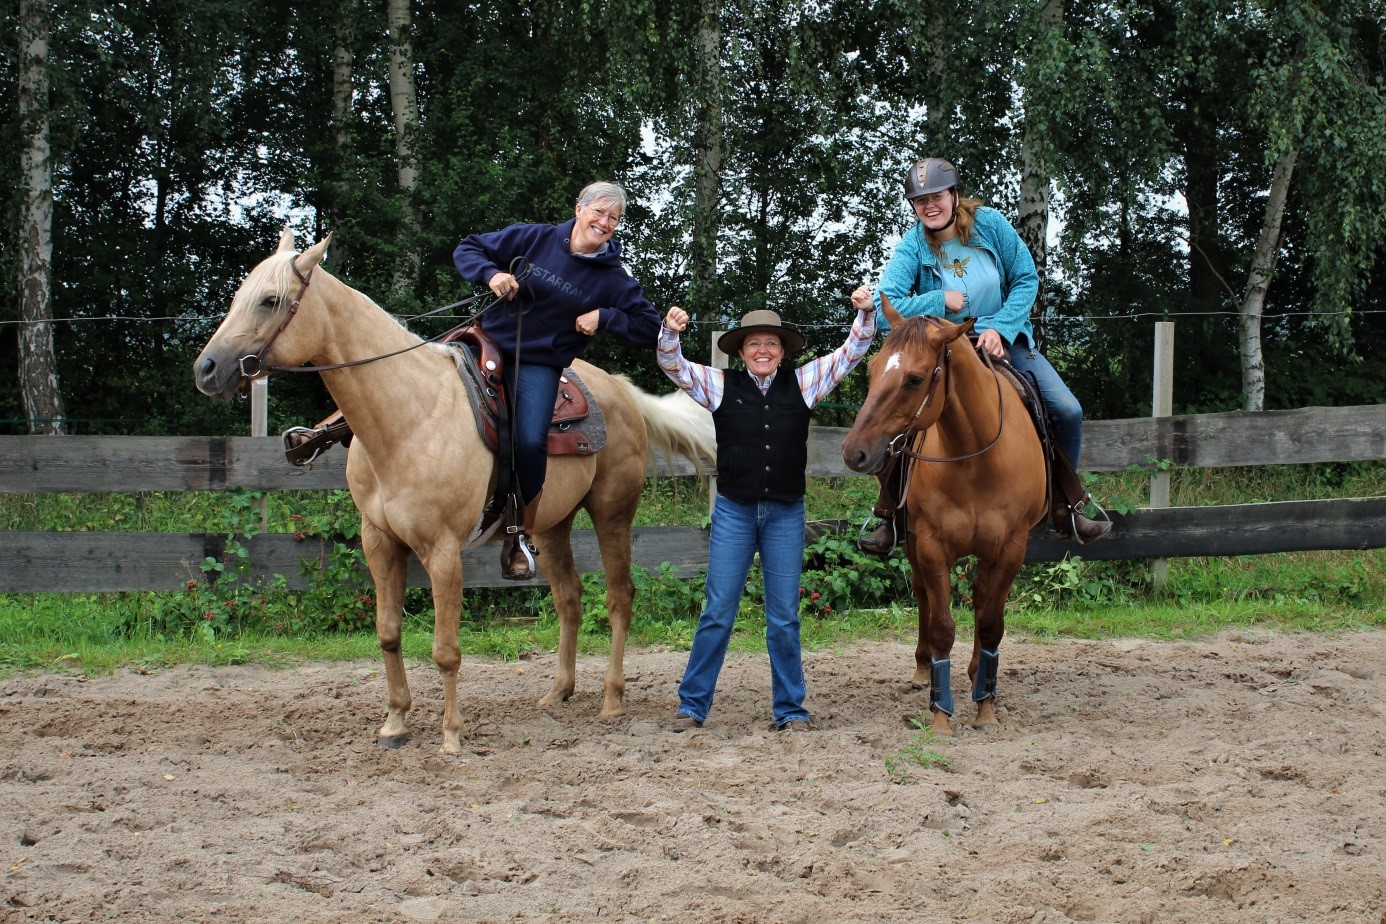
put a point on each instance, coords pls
(185, 134)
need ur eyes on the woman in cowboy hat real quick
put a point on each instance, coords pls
(762, 421)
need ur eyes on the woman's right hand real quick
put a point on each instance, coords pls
(503, 285)
(676, 320)
(861, 298)
(953, 300)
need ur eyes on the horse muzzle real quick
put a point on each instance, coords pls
(218, 378)
(865, 459)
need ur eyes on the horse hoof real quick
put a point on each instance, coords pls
(393, 742)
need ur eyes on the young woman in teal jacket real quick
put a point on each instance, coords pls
(963, 260)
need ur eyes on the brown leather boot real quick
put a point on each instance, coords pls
(515, 564)
(882, 540)
(886, 536)
(1071, 524)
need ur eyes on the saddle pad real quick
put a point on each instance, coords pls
(568, 435)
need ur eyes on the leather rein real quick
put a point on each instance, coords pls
(252, 364)
(900, 445)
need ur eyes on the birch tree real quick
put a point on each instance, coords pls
(38, 367)
(404, 103)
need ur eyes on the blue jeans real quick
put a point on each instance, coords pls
(531, 407)
(1065, 413)
(776, 530)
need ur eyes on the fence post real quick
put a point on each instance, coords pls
(1161, 405)
(259, 426)
(719, 360)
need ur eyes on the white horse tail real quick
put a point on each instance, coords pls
(677, 426)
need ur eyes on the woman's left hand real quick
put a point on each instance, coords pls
(991, 343)
(587, 323)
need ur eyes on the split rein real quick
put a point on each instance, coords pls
(252, 365)
(900, 445)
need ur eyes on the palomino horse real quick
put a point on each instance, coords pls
(420, 473)
(976, 486)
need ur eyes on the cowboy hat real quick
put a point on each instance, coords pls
(756, 321)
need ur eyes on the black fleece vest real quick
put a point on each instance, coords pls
(762, 440)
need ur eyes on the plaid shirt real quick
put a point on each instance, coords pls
(704, 384)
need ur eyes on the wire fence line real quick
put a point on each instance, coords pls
(1134, 316)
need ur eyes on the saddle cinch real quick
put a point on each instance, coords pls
(577, 427)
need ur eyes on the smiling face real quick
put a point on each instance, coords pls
(594, 226)
(935, 210)
(761, 352)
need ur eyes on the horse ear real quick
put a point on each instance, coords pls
(893, 317)
(286, 239)
(962, 327)
(313, 255)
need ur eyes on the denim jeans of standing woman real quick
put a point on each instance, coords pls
(775, 529)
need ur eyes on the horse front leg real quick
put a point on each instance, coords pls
(444, 566)
(932, 655)
(556, 561)
(387, 559)
(990, 590)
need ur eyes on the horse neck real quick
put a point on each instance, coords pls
(388, 396)
(971, 412)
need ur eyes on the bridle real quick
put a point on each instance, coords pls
(901, 444)
(252, 364)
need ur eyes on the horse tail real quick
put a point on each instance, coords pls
(677, 426)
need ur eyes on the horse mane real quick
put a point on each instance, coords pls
(913, 331)
(276, 274)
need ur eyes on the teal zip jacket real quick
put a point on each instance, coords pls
(914, 284)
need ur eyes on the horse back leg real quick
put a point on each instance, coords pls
(556, 561)
(932, 665)
(614, 539)
(388, 560)
(990, 590)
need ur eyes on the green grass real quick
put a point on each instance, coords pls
(859, 599)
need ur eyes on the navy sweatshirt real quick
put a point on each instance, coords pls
(560, 287)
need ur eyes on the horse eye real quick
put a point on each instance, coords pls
(914, 381)
(269, 303)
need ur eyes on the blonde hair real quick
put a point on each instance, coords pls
(966, 220)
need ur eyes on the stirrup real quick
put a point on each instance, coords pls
(1102, 517)
(521, 541)
(863, 534)
(302, 445)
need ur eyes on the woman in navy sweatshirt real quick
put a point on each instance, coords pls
(574, 285)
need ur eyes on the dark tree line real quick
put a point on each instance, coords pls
(1219, 163)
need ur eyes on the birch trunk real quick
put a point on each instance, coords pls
(707, 161)
(1033, 215)
(404, 102)
(343, 97)
(38, 367)
(1254, 300)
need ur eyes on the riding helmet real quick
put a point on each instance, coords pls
(931, 175)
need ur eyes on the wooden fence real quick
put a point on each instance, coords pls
(113, 561)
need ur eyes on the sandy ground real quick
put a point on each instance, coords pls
(1234, 779)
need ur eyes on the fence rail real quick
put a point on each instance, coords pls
(109, 561)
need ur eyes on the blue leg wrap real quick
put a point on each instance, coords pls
(985, 684)
(941, 685)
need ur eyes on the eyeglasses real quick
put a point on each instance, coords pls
(937, 198)
(605, 215)
(769, 343)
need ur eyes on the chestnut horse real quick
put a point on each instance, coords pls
(976, 486)
(420, 473)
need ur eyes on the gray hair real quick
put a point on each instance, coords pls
(602, 191)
